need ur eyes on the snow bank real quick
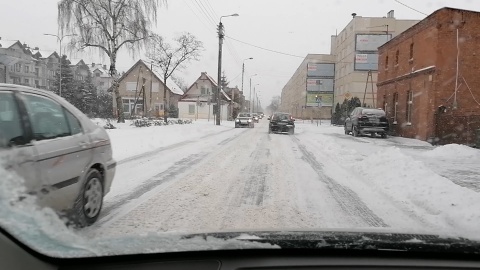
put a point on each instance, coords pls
(410, 182)
(453, 151)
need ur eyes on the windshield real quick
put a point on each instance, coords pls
(130, 127)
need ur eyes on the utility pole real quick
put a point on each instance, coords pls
(60, 39)
(221, 35)
(219, 77)
(243, 73)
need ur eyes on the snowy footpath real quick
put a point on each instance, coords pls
(206, 178)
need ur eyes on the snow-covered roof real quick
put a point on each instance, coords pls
(7, 43)
(99, 67)
(170, 83)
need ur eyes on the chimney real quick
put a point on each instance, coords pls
(36, 48)
(93, 64)
(354, 15)
(391, 14)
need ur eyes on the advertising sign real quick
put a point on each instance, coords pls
(320, 70)
(370, 42)
(322, 99)
(319, 85)
(366, 61)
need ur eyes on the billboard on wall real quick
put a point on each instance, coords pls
(326, 99)
(319, 85)
(366, 61)
(370, 42)
(320, 70)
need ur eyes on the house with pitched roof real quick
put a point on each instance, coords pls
(141, 89)
(197, 103)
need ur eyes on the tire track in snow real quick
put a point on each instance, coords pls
(348, 200)
(169, 147)
(113, 206)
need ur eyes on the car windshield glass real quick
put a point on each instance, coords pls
(146, 126)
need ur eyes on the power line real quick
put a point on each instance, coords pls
(211, 8)
(246, 43)
(196, 15)
(206, 14)
(212, 14)
(411, 8)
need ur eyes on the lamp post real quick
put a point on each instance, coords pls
(221, 35)
(60, 40)
(254, 93)
(243, 71)
(250, 94)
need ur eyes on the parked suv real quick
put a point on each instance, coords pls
(367, 121)
(63, 157)
(281, 123)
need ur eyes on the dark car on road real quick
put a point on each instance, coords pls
(281, 123)
(244, 120)
(367, 121)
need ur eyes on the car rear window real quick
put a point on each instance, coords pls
(373, 112)
(244, 115)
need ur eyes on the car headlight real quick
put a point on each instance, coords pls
(237, 120)
(249, 120)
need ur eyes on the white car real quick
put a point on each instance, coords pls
(64, 158)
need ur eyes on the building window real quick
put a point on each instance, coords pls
(18, 67)
(27, 69)
(409, 107)
(203, 91)
(37, 71)
(37, 83)
(26, 81)
(411, 51)
(386, 62)
(102, 84)
(131, 86)
(397, 54)
(395, 105)
(191, 109)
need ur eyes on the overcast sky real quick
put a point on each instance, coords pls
(296, 27)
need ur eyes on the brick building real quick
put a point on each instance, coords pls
(418, 77)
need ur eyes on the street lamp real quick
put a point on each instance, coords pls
(250, 94)
(254, 94)
(221, 35)
(60, 40)
(243, 72)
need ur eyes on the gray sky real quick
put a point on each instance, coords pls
(296, 27)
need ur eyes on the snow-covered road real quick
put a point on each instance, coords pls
(246, 179)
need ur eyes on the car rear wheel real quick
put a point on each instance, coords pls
(355, 131)
(346, 130)
(384, 135)
(89, 202)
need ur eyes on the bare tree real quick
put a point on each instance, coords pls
(169, 57)
(274, 104)
(180, 82)
(108, 25)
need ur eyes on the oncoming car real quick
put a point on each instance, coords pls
(63, 157)
(244, 120)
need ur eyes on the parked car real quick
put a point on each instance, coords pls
(244, 120)
(281, 123)
(64, 158)
(367, 121)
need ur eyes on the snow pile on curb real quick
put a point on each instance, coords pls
(442, 202)
(453, 151)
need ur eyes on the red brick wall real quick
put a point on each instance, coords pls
(434, 42)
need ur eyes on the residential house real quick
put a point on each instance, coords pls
(20, 64)
(142, 90)
(80, 70)
(197, 103)
(101, 77)
(420, 87)
(238, 100)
